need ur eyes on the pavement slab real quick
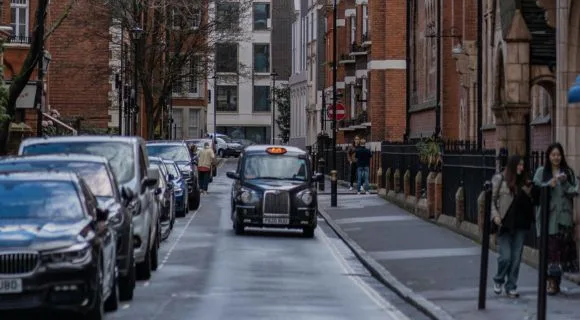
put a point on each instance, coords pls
(437, 263)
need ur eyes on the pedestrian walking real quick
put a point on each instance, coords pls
(363, 163)
(206, 161)
(513, 214)
(562, 255)
(351, 155)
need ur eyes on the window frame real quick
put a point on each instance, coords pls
(269, 56)
(237, 100)
(268, 17)
(220, 66)
(268, 99)
(22, 4)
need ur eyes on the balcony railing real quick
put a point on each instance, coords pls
(357, 49)
(366, 37)
(346, 58)
(19, 39)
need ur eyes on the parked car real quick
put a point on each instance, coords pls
(274, 187)
(179, 152)
(62, 251)
(96, 172)
(227, 147)
(128, 159)
(164, 193)
(179, 185)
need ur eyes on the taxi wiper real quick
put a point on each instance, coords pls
(271, 178)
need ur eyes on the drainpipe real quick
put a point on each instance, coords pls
(438, 83)
(479, 74)
(408, 74)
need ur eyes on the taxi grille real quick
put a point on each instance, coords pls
(276, 202)
(18, 263)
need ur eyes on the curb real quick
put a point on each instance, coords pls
(384, 276)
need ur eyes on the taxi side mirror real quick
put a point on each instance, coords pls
(233, 175)
(318, 177)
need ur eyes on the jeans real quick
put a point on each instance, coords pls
(353, 170)
(363, 177)
(204, 180)
(511, 247)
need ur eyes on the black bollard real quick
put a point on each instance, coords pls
(333, 188)
(485, 246)
(321, 169)
(542, 268)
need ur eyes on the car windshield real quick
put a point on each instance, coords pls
(172, 169)
(170, 152)
(39, 199)
(275, 167)
(119, 154)
(226, 139)
(94, 174)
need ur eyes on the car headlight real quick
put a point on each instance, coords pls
(306, 197)
(249, 196)
(178, 191)
(116, 219)
(75, 254)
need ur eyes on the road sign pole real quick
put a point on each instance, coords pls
(333, 187)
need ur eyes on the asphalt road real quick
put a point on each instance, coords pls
(207, 272)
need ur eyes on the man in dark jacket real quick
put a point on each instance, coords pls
(363, 162)
(352, 160)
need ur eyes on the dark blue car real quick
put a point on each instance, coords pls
(179, 185)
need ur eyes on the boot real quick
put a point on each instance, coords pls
(552, 286)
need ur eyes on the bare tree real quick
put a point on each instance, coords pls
(39, 36)
(177, 45)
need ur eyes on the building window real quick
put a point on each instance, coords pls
(261, 16)
(187, 83)
(193, 124)
(262, 58)
(19, 14)
(191, 18)
(227, 16)
(177, 115)
(365, 22)
(352, 29)
(227, 98)
(227, 57)
(261, 99)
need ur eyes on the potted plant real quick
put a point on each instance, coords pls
(430, 153)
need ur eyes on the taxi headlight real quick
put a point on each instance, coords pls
(248, 196)
(306, 197)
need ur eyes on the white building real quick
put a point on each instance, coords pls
(307, 79)
(244, 74)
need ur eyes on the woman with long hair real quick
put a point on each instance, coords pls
(563, 188)
(513, 213)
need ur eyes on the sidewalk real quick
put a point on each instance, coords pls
(435, 268)
(342, 188)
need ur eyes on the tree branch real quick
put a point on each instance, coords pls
(60, 20)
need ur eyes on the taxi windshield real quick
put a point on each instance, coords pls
(275, 167)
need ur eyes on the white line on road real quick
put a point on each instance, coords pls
(178, 238)
(392, 311)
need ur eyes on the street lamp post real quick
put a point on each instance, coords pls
(215, 105)
(42, 70)
(333, 182)
(274, 74)
(136, 32)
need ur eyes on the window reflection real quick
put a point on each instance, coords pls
(275, 167)
(169, 152)
(261, 16)
(39, 199)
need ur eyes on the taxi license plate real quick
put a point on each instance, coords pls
(10, 286)
(276, 221)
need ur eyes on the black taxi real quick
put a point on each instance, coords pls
(274, 187)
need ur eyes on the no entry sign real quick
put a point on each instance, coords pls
(340, 113)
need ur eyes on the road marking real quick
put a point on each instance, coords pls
(376, 219)
(392, 311)
(178, 239)
(425, 253)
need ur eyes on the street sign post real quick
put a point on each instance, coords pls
(340, 114)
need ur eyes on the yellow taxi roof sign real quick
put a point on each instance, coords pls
(276, 150)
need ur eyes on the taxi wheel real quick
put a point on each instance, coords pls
(238, 227)
(308, 232)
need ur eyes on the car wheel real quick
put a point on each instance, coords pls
(112, 302)
(196, 199)
(144, 268)
(308, 232)
(155, 256)
(97, 311)
(127, 283)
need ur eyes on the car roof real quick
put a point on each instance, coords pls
(262, 149)
(64, 157)
(166, 142)
(48, 175)
(87, 138)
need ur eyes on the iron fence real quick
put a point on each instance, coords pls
(403, 156)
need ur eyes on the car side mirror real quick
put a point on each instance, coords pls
(233, 175)
(127, 193)
(318, 177)
(171, 177)
(102, 214)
